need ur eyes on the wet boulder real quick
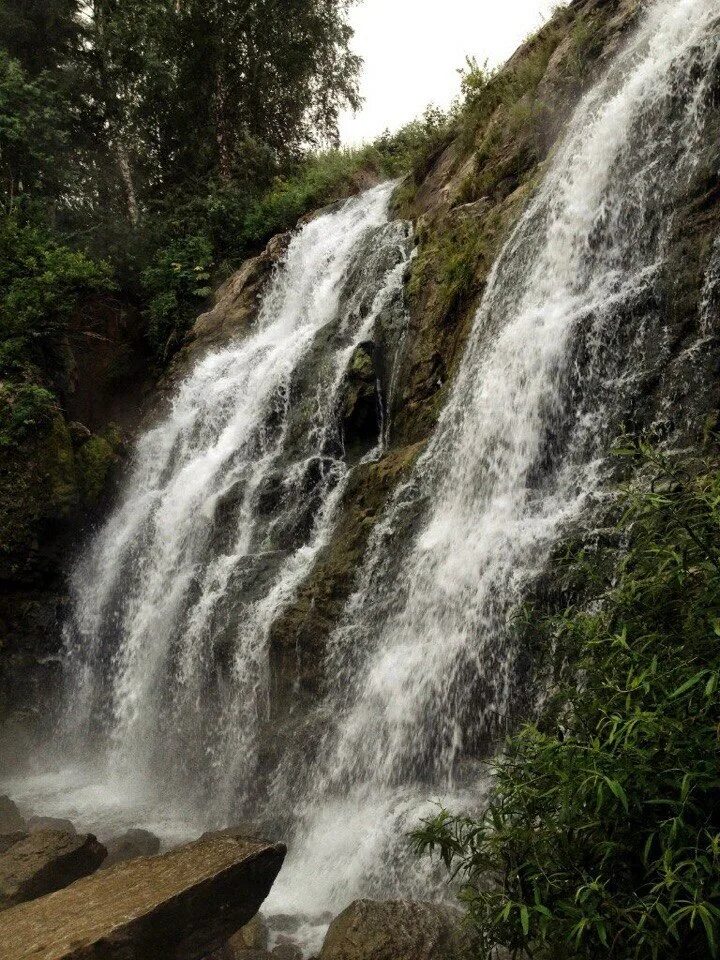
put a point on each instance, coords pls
(182, 905)
(392, 930)
(131, 845)
(43, 862)
(360, 409)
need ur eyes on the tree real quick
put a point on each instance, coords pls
(42, 34)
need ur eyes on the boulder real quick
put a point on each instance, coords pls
(182, 905)
(10, 819)
(36, 824)
(253, 936)
(129, 846)
(392, 930)
(43, 862)
(286, 949)
(7, 840)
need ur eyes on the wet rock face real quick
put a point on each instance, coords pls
(129, 846)
(392, 930)
(43, 862)
(236, 307)
(361, 405)
(183, 905)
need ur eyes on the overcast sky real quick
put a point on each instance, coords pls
(413, 48)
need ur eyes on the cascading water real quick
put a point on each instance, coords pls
(229, 500)
(422, 666)
(234, 493)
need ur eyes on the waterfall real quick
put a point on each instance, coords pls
(231, 496)
(235, 490)
(570, 326)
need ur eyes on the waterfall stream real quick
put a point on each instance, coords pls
(230, 497)
(569, 327)
(234, 492)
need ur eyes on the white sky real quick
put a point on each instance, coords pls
(413, 49)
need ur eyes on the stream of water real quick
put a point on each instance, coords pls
(235, 491)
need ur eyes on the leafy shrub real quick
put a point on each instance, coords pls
(603, 835)
(23, 410)
(177, 282)
(41, 283)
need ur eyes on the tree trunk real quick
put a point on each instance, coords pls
(223, 137)
(126, 173)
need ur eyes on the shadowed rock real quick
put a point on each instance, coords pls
(8, 840)
(392, 930)
(131, 845)
(182, 905)
(43, 862)
(10, 819)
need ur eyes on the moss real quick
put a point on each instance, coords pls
(95, 462)
(38, 494)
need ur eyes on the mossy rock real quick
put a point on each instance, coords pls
(95, 460)
(38, 494)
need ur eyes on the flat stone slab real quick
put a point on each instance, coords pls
(42, 862)
(182, 905)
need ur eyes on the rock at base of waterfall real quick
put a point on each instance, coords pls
(182, 905)
(8, 840)
(131, 845)
(43, 862)
(393, 930)
(38, 824)
(10, 819)
(253, 936)
(285, 949)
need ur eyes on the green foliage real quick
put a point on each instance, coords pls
(41, 283)
(24, 409)
(603, 835)
(94, 461)
(34, 133)
(177, 282)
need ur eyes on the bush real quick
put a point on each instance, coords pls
(603, 835)
(177, 282)
(24, 409)
(41, 283)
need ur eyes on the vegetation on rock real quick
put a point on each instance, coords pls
(603, 838)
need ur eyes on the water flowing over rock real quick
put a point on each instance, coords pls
(301, 609)
(230, 501)
(568, 339)
(179, 906)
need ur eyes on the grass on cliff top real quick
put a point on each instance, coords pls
(603, 836)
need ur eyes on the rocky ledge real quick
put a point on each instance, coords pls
(182, 905)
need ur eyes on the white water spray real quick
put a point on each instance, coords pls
(230, 498)
(424, 660)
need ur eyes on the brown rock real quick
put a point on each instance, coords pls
(129, 846)
(7, 840)
(392, 930)
(286, 949)
(183, 905)
(253, 936)
(235, 308)
(10, 819)
(36, 824)
(46, 861)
